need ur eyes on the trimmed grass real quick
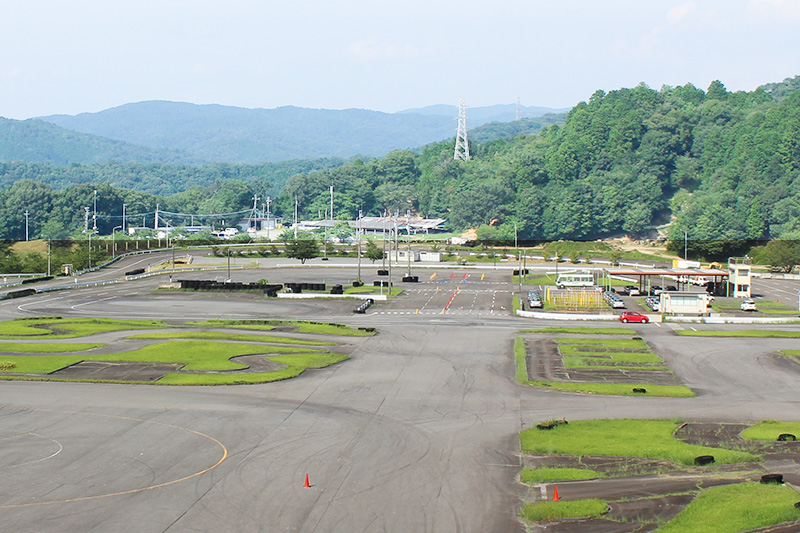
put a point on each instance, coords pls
(296, 364)
(765, 333)
(589, 353)
(581, 330)
(546, 475)
(549, 510)
(770, 429)
(366, 289)
(22, 347)
(609, 389)
(301, 326)
(219, 335)
(617, 389)
(735, 508)
(73, 327)
(194, 355)
(625, 438)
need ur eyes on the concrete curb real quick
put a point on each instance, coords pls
(306, 296)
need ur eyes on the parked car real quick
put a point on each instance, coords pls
(748, 305)
(631, 316)
(633, 290)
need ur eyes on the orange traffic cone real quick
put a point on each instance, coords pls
(555, 493)
(307, 484)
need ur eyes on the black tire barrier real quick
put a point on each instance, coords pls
(20, 293)
(786, 437)
(639, 391)
(410, 279)
(525, 272)
(361, 309)
(357, 284)
(772, 478)
(797, 505)
(35, 280)
(337, 289)
(135, 272)
(382, 272)
(381, 283)
(702, 460)
(325, 259)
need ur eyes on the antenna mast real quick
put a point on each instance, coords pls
(462, 144)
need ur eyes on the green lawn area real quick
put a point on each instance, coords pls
(220, 335)
(612, 389)
(47, 347)
(195, 351)
(617, 353)
(546, 475)
(736, 508)
(770, 429)
(581, 330)
(625, 438)
(300, 326)
(366, 289)
(70, 328)
(549, 510)
(765, 333)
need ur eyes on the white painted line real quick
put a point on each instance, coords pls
(93, 302)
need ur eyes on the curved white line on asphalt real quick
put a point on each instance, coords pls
(20, 306)
(93, 302)
(130, 491)
(60, 448)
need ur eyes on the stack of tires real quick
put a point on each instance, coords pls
(361, 309)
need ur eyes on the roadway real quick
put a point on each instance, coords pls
(416, 432)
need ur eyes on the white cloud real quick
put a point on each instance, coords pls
(678, 13)
(775, 9)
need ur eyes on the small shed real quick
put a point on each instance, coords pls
(684, 303)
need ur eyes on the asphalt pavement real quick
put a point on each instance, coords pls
(417, 431)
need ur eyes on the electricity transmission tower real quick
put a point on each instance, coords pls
(462, 144)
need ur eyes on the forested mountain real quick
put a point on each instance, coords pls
(36, 141)
(216, 133)
(722, 166)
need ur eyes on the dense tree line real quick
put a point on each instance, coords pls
(722, 166)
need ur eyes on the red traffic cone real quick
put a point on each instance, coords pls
(555, 493)
(307, 484)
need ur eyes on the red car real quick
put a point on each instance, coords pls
(630, 316)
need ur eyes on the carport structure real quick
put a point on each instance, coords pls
(681, 276)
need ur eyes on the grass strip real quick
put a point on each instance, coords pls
(609, 389)
(617, 389)
(219, 335)
(296, 364)
(324, 328)
(581, 330)
(546, 511)
(366, 289)
(625, 438)
(73, 327)
(546, 475)
(735, 508)
(771, 429)
(25, 347)
(194, 355)
(765, 333)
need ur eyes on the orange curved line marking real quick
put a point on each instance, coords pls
(131, 491)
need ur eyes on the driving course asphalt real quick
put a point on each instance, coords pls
(417, 431)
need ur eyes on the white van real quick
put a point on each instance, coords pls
(575, 279)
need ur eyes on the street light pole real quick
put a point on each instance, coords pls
(26, 224)
(685, 245)
(114, 241)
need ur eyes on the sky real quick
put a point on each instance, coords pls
(89, 55)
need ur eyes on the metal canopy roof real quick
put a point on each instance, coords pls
(688, 272)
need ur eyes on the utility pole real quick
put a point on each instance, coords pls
(269, 201)
(358, 236)
(123, 217)
(26, 224)
(331, 201)
(295, 217)
(462, 144)
(94, 216)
